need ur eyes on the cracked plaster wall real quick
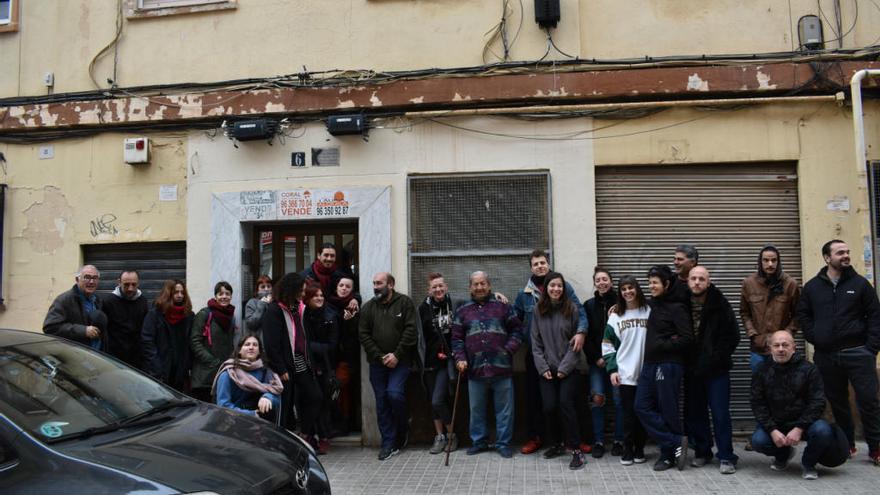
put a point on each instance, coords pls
(86, 194)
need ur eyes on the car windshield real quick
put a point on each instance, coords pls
(56, 389)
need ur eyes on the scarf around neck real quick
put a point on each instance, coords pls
(175, 314)
(323, 274)
(222, 314)
(239, 371)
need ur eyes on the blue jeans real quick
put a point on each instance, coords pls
(389, 387)
(600, 384)
(701, 395)
(819, 436)
(856, 366)
(501, 389)
(756, 360)
(439, 390)
(656, 405)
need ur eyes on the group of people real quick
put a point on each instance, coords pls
(642, 353)
(299, 334)
(298, 354)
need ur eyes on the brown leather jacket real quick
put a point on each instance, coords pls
(760, 317)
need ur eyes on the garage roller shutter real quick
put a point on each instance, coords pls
(727, 211)
(156, 262)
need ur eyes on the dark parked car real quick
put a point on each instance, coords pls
(76, 421)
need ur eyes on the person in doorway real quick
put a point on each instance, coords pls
(485, 335)
(787, 399)
(436, 313)
(623, 349)
(245, 385)
(211, 339)
(76, 314)
(387, 331)
(707, 376)
(349, 354)
(126, 308)
(668, 338)
(325, 271)
(597, 309)
(287, 351)
(524, 306)
(322, 327)
(562, 370)
(840, 315)
(165, 336)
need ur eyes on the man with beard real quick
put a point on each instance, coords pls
(707, 374)
(768, 301)
(126, 309)
(524, 306)
(485, 335)
(840, 315)
(387, 331)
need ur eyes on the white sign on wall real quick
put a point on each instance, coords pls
(313, 203)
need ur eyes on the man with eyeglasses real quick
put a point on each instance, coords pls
(76, 314)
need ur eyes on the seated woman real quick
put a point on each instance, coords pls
(245, 385)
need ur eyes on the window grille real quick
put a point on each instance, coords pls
(463, 223)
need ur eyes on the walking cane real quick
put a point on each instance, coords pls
(452, 422)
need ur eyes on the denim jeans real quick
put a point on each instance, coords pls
(856, 366)
(701, 395)
(389, 387)
(756, 360)
(600, 384)
(501, 390)
(657, 395)
(819, 436)
(439, 391)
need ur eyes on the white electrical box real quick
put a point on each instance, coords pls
(137, 150)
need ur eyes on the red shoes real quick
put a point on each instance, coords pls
(532, 446)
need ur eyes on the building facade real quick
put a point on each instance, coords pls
(610, 138)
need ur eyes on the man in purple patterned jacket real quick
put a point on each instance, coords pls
(485, 335)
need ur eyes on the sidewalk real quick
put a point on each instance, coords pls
(355, 470)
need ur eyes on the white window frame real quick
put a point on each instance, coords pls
(141, 9)
(165, 4)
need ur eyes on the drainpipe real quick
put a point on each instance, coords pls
(861, 159)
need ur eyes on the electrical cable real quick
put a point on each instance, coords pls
(104, 50)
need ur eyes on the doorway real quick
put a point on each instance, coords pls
(292, 247)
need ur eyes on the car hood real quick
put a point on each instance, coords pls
(232, 453)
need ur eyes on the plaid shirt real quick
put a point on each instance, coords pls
(486, 335)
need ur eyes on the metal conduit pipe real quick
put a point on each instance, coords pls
(861, 164)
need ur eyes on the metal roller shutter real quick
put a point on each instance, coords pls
(728, 211)
(156, 262)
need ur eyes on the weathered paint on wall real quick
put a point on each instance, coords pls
(86, 194)
(265, 39)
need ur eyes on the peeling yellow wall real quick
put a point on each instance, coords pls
(262, 38)
(86, 194)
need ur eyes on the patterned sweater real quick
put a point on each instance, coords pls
(486, 335)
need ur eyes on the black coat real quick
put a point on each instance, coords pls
(436, 322)
(322, 328)
(787, 395)
(67, 318)
(670, 332)
(158, 350)
(716, 338)
(834, 318)
(597, 317)
(279, 354)
(125, 318)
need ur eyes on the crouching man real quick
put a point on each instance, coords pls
(788, 399)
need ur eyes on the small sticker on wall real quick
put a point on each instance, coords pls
(168, 193)
(837, 203)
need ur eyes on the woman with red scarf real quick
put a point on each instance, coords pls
(165, 336)
(211, 340)
(287, 347)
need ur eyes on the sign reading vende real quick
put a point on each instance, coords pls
(309, 203)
